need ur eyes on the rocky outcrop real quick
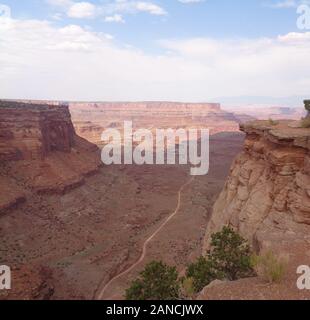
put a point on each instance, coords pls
(29, 131)
(40, 152)
(266, 198)
(267, 194)
(89, 131)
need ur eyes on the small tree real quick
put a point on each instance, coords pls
(201, 273)
(230, 254)
(157, 281)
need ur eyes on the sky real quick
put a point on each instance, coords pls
(180, 50)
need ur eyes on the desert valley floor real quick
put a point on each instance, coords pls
(80, 240)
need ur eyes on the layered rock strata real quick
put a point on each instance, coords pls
(266, 198)
(269, 185)
(40, 152)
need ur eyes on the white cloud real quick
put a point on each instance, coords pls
(126, 6)
(115, 18)
(39, 60)
(112, 8)
(149, 7)
(82, 10)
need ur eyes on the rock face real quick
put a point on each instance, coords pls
(90, 119)
(268, 188)
(40, 152)
(266, 198)
(29, 132)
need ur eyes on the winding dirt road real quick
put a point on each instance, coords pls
(147, 241)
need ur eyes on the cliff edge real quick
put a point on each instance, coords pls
(40, 152)
(266, 198)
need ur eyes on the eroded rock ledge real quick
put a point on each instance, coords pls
(269, 184)
(266, 197)
(40, 152)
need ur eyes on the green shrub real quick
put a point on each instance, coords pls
(157, 281)
(269, 267)
(230, 254)
(188, 288)
(229, 257)
(202, 273)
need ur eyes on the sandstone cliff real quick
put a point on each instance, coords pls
(90, 119)
(29, 131)
(266, 198)
(40, 152)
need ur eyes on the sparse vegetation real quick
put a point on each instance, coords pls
(202, 273)
(188, 289)
(230, 254)
(272, 122)
(305, 122)
(157, 281)
(270, 267)
(229, 258)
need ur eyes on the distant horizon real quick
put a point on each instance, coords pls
(226, 102)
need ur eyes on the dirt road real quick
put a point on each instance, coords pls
(147, 241)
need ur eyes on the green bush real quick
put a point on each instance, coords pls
(230, 254)
(157, 281)
(269, 267)
(201, 273)
(229, 257)
(188, 289)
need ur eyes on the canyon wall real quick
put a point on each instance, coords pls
(266, 198)
(267, 194)
(40, 152)
(30, 131)
(90, 119)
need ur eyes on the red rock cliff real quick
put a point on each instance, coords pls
(33, 131)
(40, 152)
(266, 198)
(267, 194)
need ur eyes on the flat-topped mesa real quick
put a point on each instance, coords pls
(40, 152)
(32, 131)
(267, 193)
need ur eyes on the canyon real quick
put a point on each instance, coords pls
(70, 226)
(90, 118)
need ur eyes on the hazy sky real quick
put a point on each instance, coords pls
(183, 50)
